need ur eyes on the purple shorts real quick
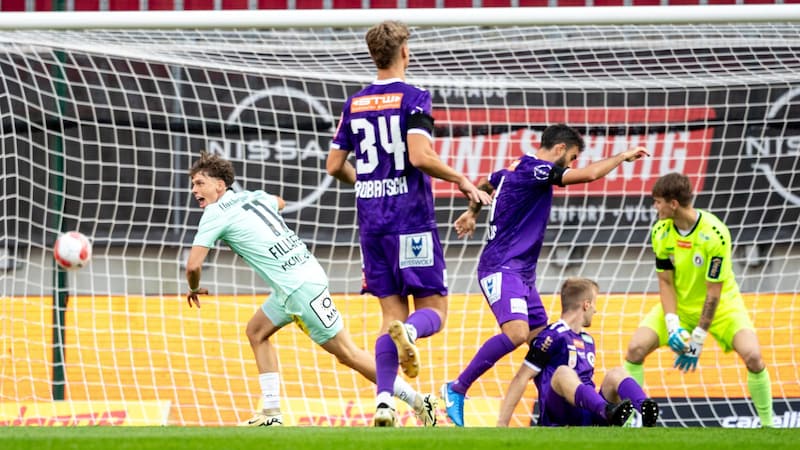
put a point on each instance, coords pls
(554, 411)
(403, 264)
(512, 298)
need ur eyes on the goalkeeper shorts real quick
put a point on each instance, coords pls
(726, 323)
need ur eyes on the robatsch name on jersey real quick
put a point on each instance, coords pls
(382, 188)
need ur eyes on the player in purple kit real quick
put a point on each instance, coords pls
(389, 127)
(523, 195)
(561, 362)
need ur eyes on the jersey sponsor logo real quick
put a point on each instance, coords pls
(541, 172)
(492, 287)
(698, 260)
(588, 338)
(578, 343)
(676, 148)
(684, 244)
(519, 306)
(416, 250)
(545, 344)
(590, 358)
(389, 187)
(378, 102)
(325, 309)
(573, 357)
(715, 267)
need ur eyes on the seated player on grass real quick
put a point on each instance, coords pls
(561, 362)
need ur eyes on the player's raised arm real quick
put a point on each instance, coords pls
(465, 224)
(599, 169)
(423, 157)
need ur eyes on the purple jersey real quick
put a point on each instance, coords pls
(557, 345)
(392, 195)
(519, 215)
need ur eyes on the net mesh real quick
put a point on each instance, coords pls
(100, 127)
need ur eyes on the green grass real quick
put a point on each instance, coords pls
(300, 438)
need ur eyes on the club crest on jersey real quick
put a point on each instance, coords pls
(416, 250)
(491, 287)
(698, 260)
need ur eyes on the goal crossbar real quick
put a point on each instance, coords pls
(422, 17)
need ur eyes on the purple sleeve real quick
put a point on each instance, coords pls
(420, 104)
(494, 178)
(543, 348)
(342, 138)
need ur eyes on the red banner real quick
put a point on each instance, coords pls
(671, 151)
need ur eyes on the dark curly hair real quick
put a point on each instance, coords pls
(213, 166)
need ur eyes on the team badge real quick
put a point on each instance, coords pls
(416, 250)
(491, 286)
(698, 260)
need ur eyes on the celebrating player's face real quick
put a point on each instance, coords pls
(569, 156)
(206, 190)
(591, 310)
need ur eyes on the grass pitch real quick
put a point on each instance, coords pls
(313, 438)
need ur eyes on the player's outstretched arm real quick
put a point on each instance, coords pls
(339, 167)
(194, 266)
(515, 390)
(422, 156)
(599, 169)
(466, 222)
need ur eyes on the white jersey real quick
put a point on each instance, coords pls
(250, 224)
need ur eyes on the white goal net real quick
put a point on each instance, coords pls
(100, 127)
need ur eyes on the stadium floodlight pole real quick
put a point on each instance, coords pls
(415, 17)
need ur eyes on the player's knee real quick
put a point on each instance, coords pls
(616, 375)
(752, 359)
(517, 336)
(637, 352)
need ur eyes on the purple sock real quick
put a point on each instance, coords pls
(587, 398)
(386, 364)
(629, 389)
(490, 352)
(426, 321)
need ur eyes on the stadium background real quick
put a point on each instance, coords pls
(613, 313)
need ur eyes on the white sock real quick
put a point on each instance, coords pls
(404, 391)
(385, 397)
(412, 331)
(270, 390)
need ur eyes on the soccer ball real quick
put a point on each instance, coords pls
(72, 250)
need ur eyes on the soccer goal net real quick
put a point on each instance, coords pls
(100, 126)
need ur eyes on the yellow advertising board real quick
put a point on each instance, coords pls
(84, 413)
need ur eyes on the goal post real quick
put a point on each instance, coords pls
(102, 115)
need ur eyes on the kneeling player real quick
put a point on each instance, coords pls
(561, 362)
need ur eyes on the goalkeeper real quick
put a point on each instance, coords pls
(250, 223)
(698, 292)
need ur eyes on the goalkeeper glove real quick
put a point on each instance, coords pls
(688, 360)
(678, 337)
